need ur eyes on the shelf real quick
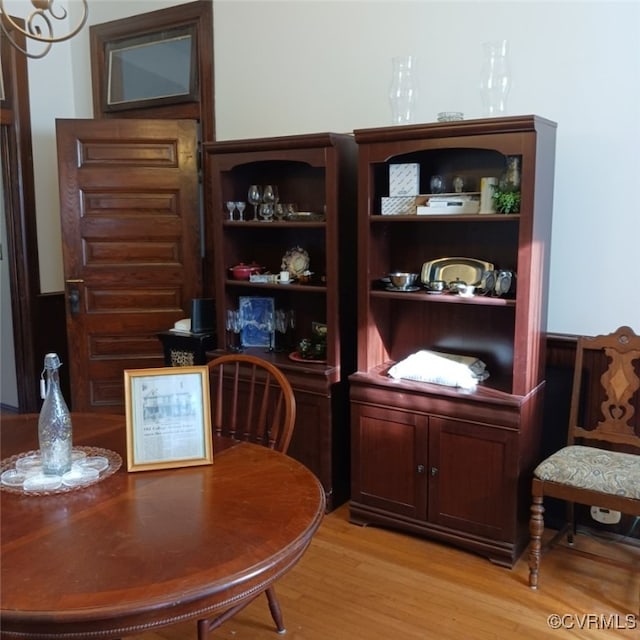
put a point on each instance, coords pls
(491, 390)
(446, 298)
(452, 217)
(307, 376)
(275, 224)
(306, 288)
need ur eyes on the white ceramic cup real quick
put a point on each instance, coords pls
(284, 277)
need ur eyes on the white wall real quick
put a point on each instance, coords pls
(8, 378)
(302, 66)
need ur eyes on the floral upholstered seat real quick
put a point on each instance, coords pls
(609, 472)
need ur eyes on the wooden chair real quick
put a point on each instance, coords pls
(600, 466)
(251, 400)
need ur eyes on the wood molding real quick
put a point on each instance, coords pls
(19, 198)
(199, 13)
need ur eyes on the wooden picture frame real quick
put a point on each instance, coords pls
(168, 418)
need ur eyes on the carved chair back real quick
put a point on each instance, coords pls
(605, 404)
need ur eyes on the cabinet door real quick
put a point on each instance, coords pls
(311, 440)
(389, 460)
(472, 477)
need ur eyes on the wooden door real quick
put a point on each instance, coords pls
(131, 246)
(472, 487)
(389, 463)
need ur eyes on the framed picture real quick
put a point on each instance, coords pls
(256, 321)
(151, 69)
(168, 418)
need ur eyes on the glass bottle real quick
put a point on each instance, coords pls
(496, 78)
(512, 173)
(402, 93)
(54, 423)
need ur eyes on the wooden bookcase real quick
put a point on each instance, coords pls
(439, 461)
(317, 172)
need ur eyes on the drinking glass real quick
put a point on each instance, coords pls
(266, 211)
(269, 325)
(291, 318)
(241, 206)
(231, 207)
(229, 327)
(234, 326)
(269, 194)
(268, 200)
(290, 209)
(281, 326)
(255, 197)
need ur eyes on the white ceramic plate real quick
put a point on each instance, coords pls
(40, 482)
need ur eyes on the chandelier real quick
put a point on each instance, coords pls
(38, 25)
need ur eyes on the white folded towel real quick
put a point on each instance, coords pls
(441, 368)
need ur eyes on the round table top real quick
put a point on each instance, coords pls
(146, 549)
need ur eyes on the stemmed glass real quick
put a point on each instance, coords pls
(254, 197)
(290, 209)
(241, 206)
(231, 206)
(268, 199)
(291, 321)
(268, 195)
(269, 325)
(281, 324)
(234, 326)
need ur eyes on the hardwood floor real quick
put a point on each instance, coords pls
(374, 584)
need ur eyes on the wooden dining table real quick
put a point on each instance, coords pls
(141, 550)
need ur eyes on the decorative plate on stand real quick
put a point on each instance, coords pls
(295, 261)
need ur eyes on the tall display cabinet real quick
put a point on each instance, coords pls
(452, 464)
(317, 174)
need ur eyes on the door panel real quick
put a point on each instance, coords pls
(472, 487)
(131, 246)
(390, 457)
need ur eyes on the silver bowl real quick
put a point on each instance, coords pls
(437, 285)
(402, 279)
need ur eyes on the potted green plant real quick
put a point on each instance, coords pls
(314, 348)
(506, 199)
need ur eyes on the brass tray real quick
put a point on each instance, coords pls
(467, 270)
